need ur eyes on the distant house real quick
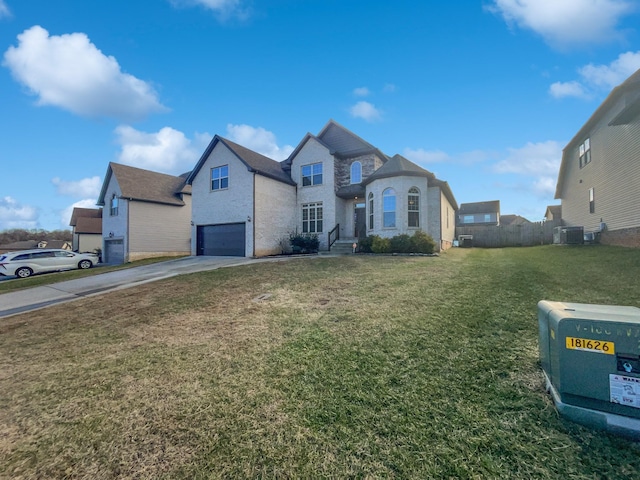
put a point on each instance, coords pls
(506, 220)
(333, 184)
(599, 179)
(86, 225)
(553, 212)
(33, 244)
(479, 214)
(146, 214)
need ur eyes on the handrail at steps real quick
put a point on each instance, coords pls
(336, 234)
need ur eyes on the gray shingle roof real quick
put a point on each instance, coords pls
(479, 207)
(398, 166)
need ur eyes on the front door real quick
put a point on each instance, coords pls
(360, 221)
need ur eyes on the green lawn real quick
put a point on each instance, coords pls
(351, 367)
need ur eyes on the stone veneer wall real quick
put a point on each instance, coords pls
(627, 237)
(370, 163)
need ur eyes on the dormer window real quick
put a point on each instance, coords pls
(584, 151)
(356, 172)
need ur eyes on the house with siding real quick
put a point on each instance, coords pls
(86, 224)
(145, 214)
(553, 212)
(479, 214)
(599, 178)
(333, 184)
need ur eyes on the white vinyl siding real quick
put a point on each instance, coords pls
(614, 173)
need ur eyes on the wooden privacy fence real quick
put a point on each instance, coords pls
(525, 235)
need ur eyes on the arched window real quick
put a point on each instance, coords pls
(371, 211)
(356, 172)
(413, 207)
(389, 208)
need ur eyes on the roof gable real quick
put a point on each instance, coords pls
(254, 161)
(343, 142)
(144, 185)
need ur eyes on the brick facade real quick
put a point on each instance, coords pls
(628, 237)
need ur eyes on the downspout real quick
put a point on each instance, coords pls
(128, 235)
(254, 214)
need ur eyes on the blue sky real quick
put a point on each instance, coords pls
(484, 93)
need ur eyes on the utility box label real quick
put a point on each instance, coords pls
(588, 345)
(625, 390)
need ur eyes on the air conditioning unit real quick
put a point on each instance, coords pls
(590, 356)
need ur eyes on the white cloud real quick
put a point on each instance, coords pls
(566, 23)
(598, 78)
(87, 187)
(568, 89)
(4, 9)
(366, 111)
(224, 9)
(65, 215)
(259, 140)
(534, 159)
(167, 151)
(361, 92)
(423, 157)
(612, 75)
(68, 71)
(545, 187)
(16, 215)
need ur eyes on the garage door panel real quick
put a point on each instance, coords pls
(222, 240)
(114, 252)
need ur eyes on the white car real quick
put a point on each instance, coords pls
(25, 263)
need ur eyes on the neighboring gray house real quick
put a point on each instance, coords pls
(333, 183)
(479, 214)
(146, 214)
(599, 179)
(87, 229)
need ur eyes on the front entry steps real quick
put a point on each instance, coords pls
(343, 247)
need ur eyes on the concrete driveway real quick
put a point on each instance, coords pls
(35, 298)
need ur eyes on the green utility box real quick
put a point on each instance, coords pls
(590, 356)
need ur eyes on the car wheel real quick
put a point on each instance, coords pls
(84, 264)
(24, 272)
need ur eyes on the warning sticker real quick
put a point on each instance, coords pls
(625, 390)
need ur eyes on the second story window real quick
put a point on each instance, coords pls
(584, 151)
(356, 172)
(220, 178)
(312, 174)
(113, 211)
